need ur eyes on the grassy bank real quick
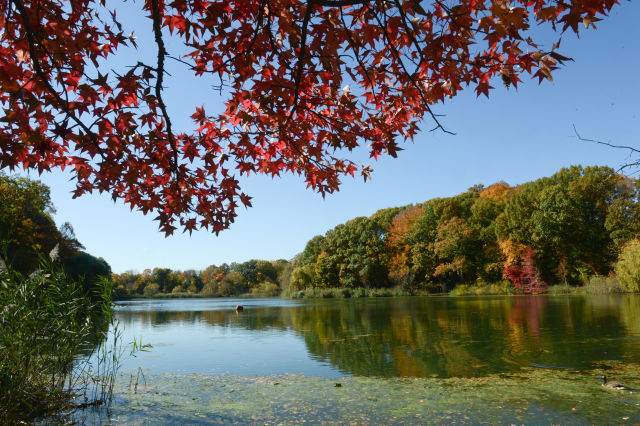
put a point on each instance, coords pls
(343, 293)
(499, 288)
(181, 295)
(592, 285)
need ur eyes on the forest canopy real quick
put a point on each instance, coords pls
(569, 226)
(28, 233)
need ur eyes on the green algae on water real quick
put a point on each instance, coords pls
(534, 395)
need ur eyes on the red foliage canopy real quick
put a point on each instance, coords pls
(288, 66)
(525, 278)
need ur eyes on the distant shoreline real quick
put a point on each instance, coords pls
(347, 293)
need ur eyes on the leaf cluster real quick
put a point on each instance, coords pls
(303, 84)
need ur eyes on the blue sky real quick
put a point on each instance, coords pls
(515, 136)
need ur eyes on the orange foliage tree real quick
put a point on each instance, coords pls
(306, 82)
(399, 245)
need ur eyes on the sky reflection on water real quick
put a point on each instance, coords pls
(415, 337)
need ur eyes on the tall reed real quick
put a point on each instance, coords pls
(49, 331)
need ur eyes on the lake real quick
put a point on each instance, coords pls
(539, 357)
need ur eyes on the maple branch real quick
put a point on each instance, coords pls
(31, 40)
(162, 52)
(356, 52)
(298, 79)
(300, 63)
(396, 55)
(411, 34)
(246, 52)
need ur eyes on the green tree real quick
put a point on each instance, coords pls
(27, 229)
(457, 246)
(87, 269)
(623, 215)
(232, 284)
(628, 266)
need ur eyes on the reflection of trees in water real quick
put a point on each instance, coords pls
(444, 336)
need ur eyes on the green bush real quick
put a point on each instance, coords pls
(628, 267)
(500, 288)
(461, 290)
(120, 293)
(266, 289)
(564, 289)
(209, 290)
(151, 289)
(602, 285)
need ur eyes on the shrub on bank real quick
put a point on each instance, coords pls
(266, 289)
(603, 285)
(592, 285)
(343, 293)
(628, 267)
(500, 288)
(151, 289)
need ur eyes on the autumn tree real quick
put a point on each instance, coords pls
(569, 219)
(628, 266)
(303, 83)
(525, 276)
(400, 267)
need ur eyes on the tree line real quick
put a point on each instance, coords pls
(260, 277)
(563, 229)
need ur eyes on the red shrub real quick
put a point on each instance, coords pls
(525, 278)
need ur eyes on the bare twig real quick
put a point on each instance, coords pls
(631, 149)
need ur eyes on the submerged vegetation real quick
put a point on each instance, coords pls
(535, 395)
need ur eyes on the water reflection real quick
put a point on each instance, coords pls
(417, 337)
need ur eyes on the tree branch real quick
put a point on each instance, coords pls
(33, 52)
(631, 149)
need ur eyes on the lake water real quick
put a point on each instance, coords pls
(405, 337)
(531, 359)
